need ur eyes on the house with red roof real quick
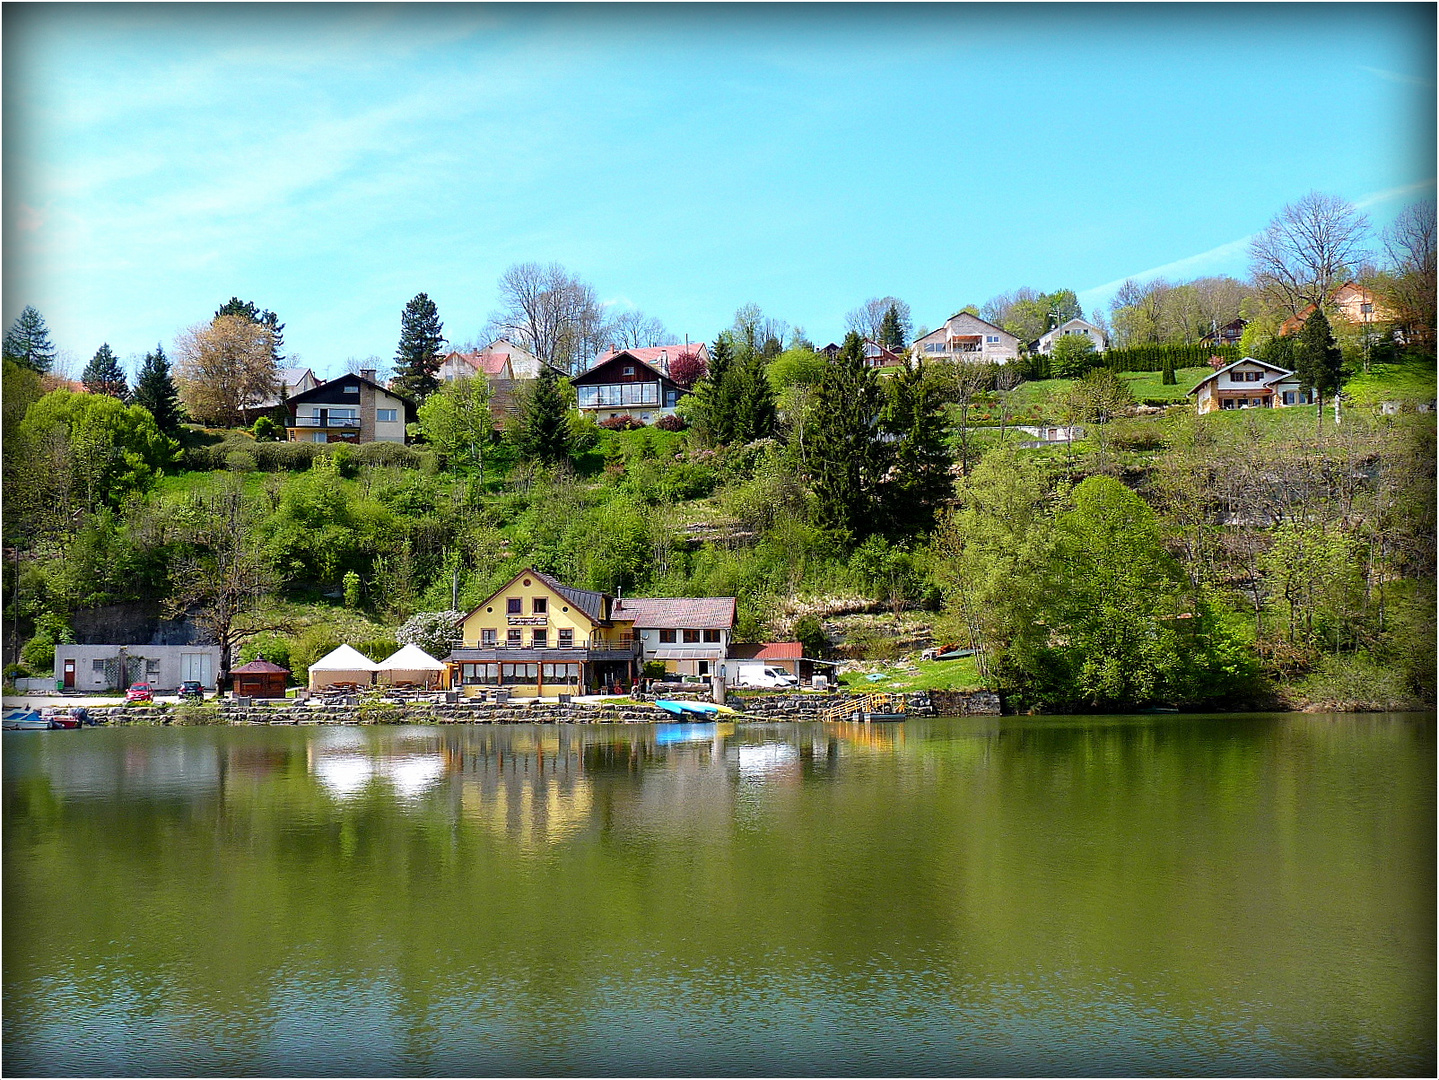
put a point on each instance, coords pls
(690, 635)
(785, 655)
(499, 361)
(658, 357)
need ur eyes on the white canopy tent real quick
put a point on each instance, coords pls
(411, 665)
(344, 665)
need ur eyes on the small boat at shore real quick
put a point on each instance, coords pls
(25, 720)
(693, 708)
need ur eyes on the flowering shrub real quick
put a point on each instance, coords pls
(687, 369)
(621, 422)
(672, 422)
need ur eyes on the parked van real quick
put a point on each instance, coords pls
(759, 674)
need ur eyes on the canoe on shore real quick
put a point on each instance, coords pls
(693, 708)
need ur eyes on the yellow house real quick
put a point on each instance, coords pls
(539, 638)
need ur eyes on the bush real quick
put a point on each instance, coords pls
(266, 430)
(671, 422)
(240, 461)
(193, 714)
(343, 455)
(392, 455)
(621, 422)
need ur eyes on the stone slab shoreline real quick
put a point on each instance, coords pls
(919, 704)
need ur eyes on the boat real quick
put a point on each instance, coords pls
(24, 720)
(693, 708)
(62, 718)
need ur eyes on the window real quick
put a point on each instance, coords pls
(712, 635)
(512, 639)
(561, 672)
(352, 389)
(567, 639)
(487, 639)
(539, 605)
(589, 396)
(704, 667)
(387, 416)
(992, 339)
(629, 369)
(480, 674)
(691, 636)
(540, 639)
(318, 436)
(935, 346)
(667, 637)
(519, 673)
(97, 666)
(514, 605)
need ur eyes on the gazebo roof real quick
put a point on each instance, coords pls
(260, 666)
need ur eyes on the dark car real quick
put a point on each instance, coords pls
(190, 690)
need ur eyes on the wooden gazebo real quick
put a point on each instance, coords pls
(260, 678)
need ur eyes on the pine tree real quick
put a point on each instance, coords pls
(714, 407)
(545, 421)
(849, 459)
(155, 390)
(246, 309)
(27, 342)
(919, 483)
(754, 403)
(891, 330)
(1317, 359)
(1168, 378)
(102, 375)
(421, 349)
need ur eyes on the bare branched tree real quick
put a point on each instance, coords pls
(550, 312)
(1309, 249)
(1409, 243)
(868, 319)
(636, 330)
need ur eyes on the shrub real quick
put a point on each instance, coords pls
(240, 461)
(193, 714)
(266, 430)
(343, 455)
(436, 632)
(671, 422)
(621, 422)
(392, 455)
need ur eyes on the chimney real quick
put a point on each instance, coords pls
(368, 373)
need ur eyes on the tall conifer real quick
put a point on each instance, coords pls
(919, 483)
(155, 390)
(102, 375)
(849, 459)
(545, 422)
(27, 342)
(421, 349)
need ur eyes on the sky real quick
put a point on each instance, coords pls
(329, 162)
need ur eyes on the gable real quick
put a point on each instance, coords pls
(590, 606)
(613, 371)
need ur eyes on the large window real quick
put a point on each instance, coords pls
(667, 637)
(519, 673)
(561, 673)
(487, 639)
(480, 674)
(712, 635)
(636, 393)
(387, 416)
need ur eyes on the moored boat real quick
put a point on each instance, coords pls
(24, 720)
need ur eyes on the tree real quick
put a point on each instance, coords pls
(27, 342)
(635, 330)
(1029, 314)
(847, 458)
(714, 406)
(225, 367)
(868, 320)
(1072, 355)
(755, 332)
(1097, 399)
(1317, 359)
(919, 483)
(155, 390)
(102, 375)
(456, 420)
(892, 331)
(421, 349)
(1308, 249)
(1137, 312)
(754, 400)
(225, 573)
(1409, 243)
(687, 368)
(544, 432)
(246, 309)
(551, 313)
(437, 633)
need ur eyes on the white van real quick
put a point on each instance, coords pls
(757, 673)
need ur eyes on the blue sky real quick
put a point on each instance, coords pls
(329, 162)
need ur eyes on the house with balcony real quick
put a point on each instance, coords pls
(352, 408)
(1097, 337)
(969, 338)
(689, 635)
(1249, 384)
(1228, 334)
(538, 637)
(626, 384)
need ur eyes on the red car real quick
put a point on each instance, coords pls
(140, 691)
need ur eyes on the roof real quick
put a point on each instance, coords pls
(1281, 373)
(656, 355)
(322, 392)
(344, 659)
(260, 666)
(768, 650)
(411, 658)
(491, 363)
(624, 354)
(677, 613)
(691, 653)
(293, 376)
(590, 603)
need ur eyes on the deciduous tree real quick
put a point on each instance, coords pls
(868, 320)
(246, 309)
(225, 367)
(456, 420)
(1308, 249)
(550, 312)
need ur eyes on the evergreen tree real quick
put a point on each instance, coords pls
(27, 342)
(421, 349)
(246, 309)
(155, 390)
(545, 420)
(849, 459)
(754, 402)
(714, 408)
(102, 375)
(919, 483)
(1317, 360)
(891, 330)
(1167, 377)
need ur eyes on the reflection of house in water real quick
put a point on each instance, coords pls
(345, 765)
(530, 787)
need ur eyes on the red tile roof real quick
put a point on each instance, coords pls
(260, 667)
(677, 613)
(769, 650)
(491, 363)
(652, 355)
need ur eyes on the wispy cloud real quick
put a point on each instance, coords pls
(1216, 260)
(1398, 77)
(1374, 199)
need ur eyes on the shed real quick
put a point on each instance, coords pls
(343, 665)
(412, 665)
(260, 678)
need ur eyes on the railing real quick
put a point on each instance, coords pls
(596, 644)
(325, 421)
(862, 707)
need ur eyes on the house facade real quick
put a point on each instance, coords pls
(626, 384)
(1249, 384)
(91, 668)
(1228, 334)
(969, 338)
(786, 655)
(538, 637)
(1351, 302)
(658, 357)
(1045, 345)
(352, 408)
(689, 635)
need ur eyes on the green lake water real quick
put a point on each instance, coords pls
(1237, 895)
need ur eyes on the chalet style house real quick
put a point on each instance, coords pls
(1351, 302)
(689, 635)
(1045, 345)
(626, 384)
(352, 408)
(538, 637)
(967, 337)
(500, 360)
(292, 381)
(1228, 334)
(875, 354)
(658, 356)
(1249, 384)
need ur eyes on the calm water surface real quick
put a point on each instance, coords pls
(1132, 895)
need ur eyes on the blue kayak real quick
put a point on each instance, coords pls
(692, 708)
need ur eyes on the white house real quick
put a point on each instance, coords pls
(689, 635)
(967, 337)
(1045, 345)
(1249, 384)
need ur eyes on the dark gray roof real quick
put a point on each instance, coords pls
(591, 603)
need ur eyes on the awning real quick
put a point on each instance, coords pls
(688, 654)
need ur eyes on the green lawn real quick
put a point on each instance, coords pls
(931, 675)
(1407, 382)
